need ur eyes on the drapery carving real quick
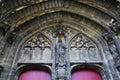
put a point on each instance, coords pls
(81, 48)
(37, 48)
(60, 35)
(60, 50)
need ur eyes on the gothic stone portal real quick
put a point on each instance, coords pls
(59, 45)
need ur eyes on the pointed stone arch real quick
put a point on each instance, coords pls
(36, 48)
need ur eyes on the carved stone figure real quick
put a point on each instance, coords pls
(112, 43)
(113, 49)
(60, 53)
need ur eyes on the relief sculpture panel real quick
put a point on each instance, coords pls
(81, 48)
(37, 49)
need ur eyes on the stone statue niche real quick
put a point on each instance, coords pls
(36, 49)
(60, 52)
(60, 48)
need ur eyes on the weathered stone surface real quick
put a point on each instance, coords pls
(61, 36)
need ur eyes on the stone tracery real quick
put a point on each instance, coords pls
(37, 47)
(25, 16)
(83, 48)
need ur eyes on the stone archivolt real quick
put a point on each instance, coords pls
(19, 18)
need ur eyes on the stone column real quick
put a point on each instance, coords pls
(113, 43)
(110, 38)
(117, 59)
(116, 39)
(117, 43)
(60, 60)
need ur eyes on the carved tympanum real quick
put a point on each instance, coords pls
(81, 48)
(37, 48)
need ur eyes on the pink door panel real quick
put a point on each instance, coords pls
(86, 75)
(35, 75)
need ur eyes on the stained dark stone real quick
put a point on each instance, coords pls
(60, 36)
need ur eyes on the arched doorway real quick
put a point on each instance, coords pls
(35, 75)
(86, 74)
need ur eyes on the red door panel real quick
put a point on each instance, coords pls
(35, 75)
(86, 75)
